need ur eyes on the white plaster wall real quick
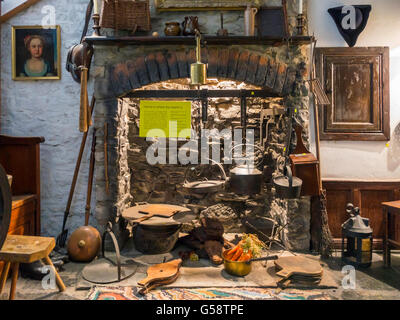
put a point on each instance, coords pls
(49, 109)
(8, 5)
(356, 160)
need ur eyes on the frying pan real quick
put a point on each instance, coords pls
(5, 205)
(205, 186)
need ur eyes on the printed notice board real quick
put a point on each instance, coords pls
(170, 119)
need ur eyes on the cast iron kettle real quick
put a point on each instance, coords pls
(246, 179)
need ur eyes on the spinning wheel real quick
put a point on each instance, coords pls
(5, 205)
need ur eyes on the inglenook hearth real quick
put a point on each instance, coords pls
(124, 67)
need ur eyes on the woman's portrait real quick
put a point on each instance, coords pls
(36, 53)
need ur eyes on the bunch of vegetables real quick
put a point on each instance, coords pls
(250, 246)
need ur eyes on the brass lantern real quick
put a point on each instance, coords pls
(198, 70)
(358, 233)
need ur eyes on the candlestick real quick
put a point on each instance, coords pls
(300, 6)
(301, 25)
(95, 7)
(96, 18)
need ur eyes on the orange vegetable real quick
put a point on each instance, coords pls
(245, 256)
(237, 254)
(231, 252)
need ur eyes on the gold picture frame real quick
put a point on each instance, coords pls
(203, 5)
(36, 53)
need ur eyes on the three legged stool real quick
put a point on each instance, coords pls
(25, 249)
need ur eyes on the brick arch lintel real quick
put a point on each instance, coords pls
(228, 63)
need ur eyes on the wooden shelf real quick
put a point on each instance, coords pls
(190, 40)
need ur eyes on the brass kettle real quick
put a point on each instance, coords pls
(198, 70)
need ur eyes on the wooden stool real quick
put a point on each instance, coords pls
(389, 209)
(25, 249)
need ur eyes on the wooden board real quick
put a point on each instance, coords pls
(143, 212)
(299, 266)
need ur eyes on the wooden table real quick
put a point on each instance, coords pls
(389, 209)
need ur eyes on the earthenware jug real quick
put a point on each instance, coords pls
(190, 25)
(172, 29)
(249, 20)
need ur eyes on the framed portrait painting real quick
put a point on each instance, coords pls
(36, 53)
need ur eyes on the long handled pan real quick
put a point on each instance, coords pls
(62, 237)
(242, 268)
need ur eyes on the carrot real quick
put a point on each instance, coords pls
(245, 256)
(231, 252)
(237, 254)
(229, 256)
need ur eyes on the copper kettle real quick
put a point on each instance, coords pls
(190, 25)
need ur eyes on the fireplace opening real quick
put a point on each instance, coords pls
(267, 124)
(133, 179)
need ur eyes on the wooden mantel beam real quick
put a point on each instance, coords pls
(23, 6)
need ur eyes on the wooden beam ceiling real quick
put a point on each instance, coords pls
(23, 6)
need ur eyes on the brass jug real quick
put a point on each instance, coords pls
(198, 70)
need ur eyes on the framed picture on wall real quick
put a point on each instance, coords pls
(36, 53)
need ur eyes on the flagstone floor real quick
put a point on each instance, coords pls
(376, 282)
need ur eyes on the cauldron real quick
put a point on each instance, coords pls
(156, 235)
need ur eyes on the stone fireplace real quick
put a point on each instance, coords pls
(120, 70)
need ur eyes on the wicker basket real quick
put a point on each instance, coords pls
(129, 15)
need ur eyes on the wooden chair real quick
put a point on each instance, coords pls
(25, 249)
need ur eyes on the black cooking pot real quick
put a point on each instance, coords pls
(287, 186)
(156, 235)
(246, 179)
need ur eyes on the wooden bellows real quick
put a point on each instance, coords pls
(160, 274)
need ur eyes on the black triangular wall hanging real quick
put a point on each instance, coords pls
(361, 18)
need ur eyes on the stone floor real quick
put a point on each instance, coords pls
(376, 282)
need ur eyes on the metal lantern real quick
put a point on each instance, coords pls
(358, 249)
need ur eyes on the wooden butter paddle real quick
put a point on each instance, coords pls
(297, 266)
